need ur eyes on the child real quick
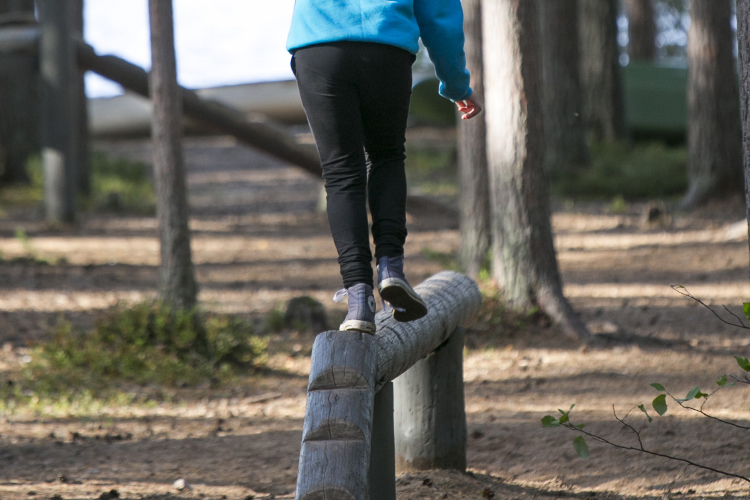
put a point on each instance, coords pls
(352, 60)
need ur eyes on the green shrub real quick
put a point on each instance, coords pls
(120, 184)
(632, 172)
(146, 343)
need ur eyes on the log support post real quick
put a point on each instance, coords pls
(337, 432)
(430, 419)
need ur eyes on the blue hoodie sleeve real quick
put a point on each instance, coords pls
(441, 26)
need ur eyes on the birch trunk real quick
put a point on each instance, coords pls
(524, 262)
(178, 285)
(714, 129)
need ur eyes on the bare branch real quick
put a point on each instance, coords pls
(686, 293)
(622, 421)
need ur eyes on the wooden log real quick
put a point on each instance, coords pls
(58, 118)
(222, 118)
(453, 300)
(337, 432)
(430, 419)
(383, 458)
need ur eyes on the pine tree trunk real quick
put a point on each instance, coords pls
(178, 286)
(743, 37)
(641, 29)
(84, 168)
(524, 262)
(714, 133)
(601, 75)
(19, 108)
(474, 195)
(58, 104)
(564, 131)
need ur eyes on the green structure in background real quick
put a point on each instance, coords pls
(655, 101)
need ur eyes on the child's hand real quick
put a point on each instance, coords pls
(469, 108)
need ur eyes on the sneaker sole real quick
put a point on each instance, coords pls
(354, 325)
(401, 295)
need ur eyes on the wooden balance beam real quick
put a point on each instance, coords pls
(348, 448)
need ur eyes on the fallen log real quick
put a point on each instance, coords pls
(220, 117)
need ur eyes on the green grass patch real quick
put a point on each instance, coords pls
(631, 172)
(135, 345)
(117, 184)
(120, 184)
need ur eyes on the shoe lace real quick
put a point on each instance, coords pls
(339, 296)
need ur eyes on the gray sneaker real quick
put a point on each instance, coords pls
(406, 303)
(361, 317)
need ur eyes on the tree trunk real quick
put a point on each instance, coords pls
(714, 133)
(58, 105)
(743, 46)
(84, 167)
(601, 75)
(19, 109)
(524, 262)
(641, 29)
(178, 285)
(474, 195)
(564, 132)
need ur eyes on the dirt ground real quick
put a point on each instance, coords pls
(258, 241)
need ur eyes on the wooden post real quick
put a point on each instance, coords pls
(430, 420)
(383, 458)
(337, 433)
(82, 118)
(177, 275)
(58, 100)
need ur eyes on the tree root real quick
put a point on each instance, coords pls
(552, 301)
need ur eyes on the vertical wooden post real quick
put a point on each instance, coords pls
(58, 99)
(337, 433)
(430, 419)
(383, 459)
(82, 118)
(177, 275)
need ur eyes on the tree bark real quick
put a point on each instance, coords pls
(19, 102)
(601, 75)
(84, 167)
(524, 262)
(743, 46)
(474, 195)
(641, 29)
(58, 103)
(178, 286)
(714, 129)
(564, 131)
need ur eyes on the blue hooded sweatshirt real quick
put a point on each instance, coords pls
(392, 22)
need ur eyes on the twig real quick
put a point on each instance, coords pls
(689, 295)
(744, 380)
(653, 453)
(707, 415)
(622, 421)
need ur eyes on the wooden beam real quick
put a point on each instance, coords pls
(453, 300)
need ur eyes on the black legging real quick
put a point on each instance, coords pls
(356, 96)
